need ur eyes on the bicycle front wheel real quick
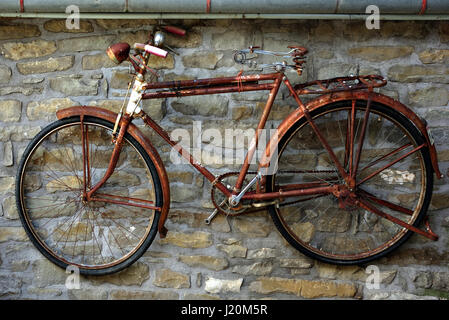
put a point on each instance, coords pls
(97, 237)
(393, 175)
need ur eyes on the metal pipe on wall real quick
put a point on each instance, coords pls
(228, 9)
(290, 6)
(179, 16)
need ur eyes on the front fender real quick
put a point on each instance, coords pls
(142, 139)
(320, 101)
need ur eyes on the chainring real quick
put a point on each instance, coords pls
(220, 201)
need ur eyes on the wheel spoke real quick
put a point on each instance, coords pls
(386, 203)
(97, 236)
(371, 164)
(353, 171)
(365, 205)
(390, 164)
(380, 202)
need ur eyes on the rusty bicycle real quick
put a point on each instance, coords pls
(347, 178)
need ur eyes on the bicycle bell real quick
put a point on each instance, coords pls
(159, 38)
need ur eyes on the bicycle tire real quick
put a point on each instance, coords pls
(304, 245)
(108, 226)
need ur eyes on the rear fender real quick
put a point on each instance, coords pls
(323, 100)
(142, 139)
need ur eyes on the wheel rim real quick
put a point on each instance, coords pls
(90, 235)
(348, 232)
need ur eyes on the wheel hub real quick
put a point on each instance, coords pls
(347, 197)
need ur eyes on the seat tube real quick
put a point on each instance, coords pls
(255, 141)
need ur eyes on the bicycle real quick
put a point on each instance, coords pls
(347, 178)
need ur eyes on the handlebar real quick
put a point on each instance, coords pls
(175, 30)
(151, 49)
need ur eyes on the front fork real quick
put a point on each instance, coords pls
(123, 120)
(118, 141)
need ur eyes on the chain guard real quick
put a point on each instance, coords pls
(246, 206)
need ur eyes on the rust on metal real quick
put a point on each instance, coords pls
(350, 89)
(206, 90)
(315, 128)
(260, 126)
(391, 163)
(127, 203)
(184, 153)
(124, 123)
(291, 193)
(339, 84)
(363, 204)
(350, 96)
(142, 139)
(118, 52)
(386, 203)
(353, 173)
(209, 86)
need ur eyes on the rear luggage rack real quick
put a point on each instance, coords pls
(341, 84)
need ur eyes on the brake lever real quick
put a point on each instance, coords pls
(171, 49)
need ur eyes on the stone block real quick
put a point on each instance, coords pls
(233, 250)
(43, 66)
(89, 43)
(11, 110)
(10, 208)
(303, 288)
(46, 109)
(24, 50)
(47, 274)
(74, 85)
(123, 294)
(18, 31)
(418, 73)
(429, 97)
(434, 56)
(214, 285)
(134, 275)
(214, 105)
(18, 133)
(198, 239)
(5, 74)
(204, 60)
(252, 228)
(166, 278)
(7, 184)
(59, 25)
(380, 53)
(209, 262)
(97, 61)
(261, 253)
(260, 268)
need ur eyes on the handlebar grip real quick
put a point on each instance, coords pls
(151, 49)
(176, 30)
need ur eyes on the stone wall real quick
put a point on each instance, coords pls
(44, 67)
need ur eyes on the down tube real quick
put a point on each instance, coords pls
(184, 153)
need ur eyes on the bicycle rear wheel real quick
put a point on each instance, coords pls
(391, 178)
(97, 237)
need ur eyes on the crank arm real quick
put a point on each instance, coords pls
(208, 220)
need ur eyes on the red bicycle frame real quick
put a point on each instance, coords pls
(243, 83)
